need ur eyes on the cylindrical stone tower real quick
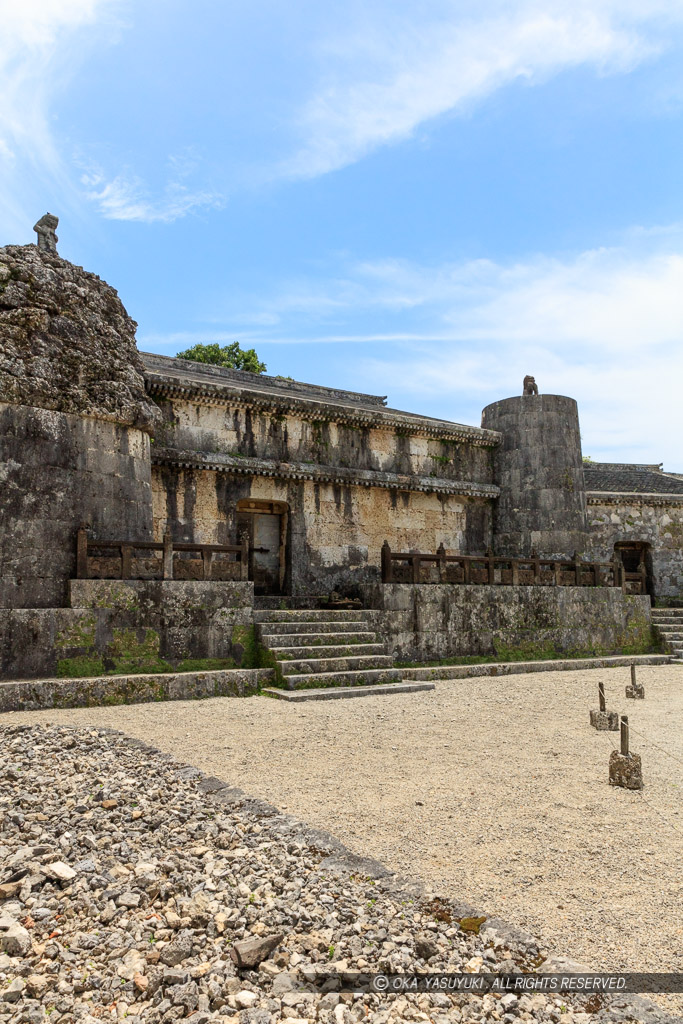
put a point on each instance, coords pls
(74, 423)
(538, 467)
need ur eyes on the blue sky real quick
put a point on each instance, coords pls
(424, 199)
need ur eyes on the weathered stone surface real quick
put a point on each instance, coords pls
(58, 470)
(67, 342)
(14, 939)
(250, 952)
(636, 692)
(425, 623)
(605, 721)
(654, 519)
(625, 770)
(31, 695)
(131, 626)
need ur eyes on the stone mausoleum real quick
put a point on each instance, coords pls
(151, 504)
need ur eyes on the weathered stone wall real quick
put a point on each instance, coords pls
(34, 695)
(66, 341)
(58, 470)
(127, 626)
(74, 419)
(656, 520)
(335, 532)
(538, 467)
(242, 432)
(426, 623)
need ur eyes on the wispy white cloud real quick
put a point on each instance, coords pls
(41, 43)
(380, 84)
(126, 198)
(604, 326)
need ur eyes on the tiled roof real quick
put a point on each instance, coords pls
(631, 479)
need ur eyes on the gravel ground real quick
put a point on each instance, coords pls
(492, 790)
(133, 888)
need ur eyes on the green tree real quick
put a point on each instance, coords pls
(231, 356)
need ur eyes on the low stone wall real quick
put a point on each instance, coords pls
(426, 623)
(37, 694)
(511, 668)
(128, 626)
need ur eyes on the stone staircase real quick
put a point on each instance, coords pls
(324, 654)
(669, 622)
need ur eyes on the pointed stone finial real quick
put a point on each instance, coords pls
(45, 229)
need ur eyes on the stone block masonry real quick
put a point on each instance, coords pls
(128, 626)
(39, 694)
(434, 621)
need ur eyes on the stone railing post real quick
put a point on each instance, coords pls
(537, 567)
(126, 561)
(514, 565)
(577, 569)
(557, 568)
(168, 556)
(491, 565)
(441, 564)
(387, 568)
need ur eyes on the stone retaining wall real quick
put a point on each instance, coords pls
(428, 622)
(36, 694)
(128, 626)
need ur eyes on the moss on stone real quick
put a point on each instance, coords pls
(75, 668)
(128, 654)
(80, 635)
(205, 664)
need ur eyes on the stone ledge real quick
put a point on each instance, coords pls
(232, 465)
(95, 691)
(339, 692)
(508, 668)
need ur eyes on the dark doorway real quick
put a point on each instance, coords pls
(637, 561)
(265, 523)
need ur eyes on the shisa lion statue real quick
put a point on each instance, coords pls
(530, 386)
(45, 229)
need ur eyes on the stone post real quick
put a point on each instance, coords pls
(636, 691)
(625, 769)
(604, 720)
(168, 556)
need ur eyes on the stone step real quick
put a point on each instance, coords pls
(313, 615)
(346, 626)
(341, 692)
(672, 633)
(279, 640)
(333, 651)
(668, 615)
(317, 666)
(364, 677)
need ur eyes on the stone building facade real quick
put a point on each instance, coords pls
(141, 448)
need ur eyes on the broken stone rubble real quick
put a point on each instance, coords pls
(238, 912)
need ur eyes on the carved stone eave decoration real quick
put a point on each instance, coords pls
(632, 498)
(234, 466)
(312, 411)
